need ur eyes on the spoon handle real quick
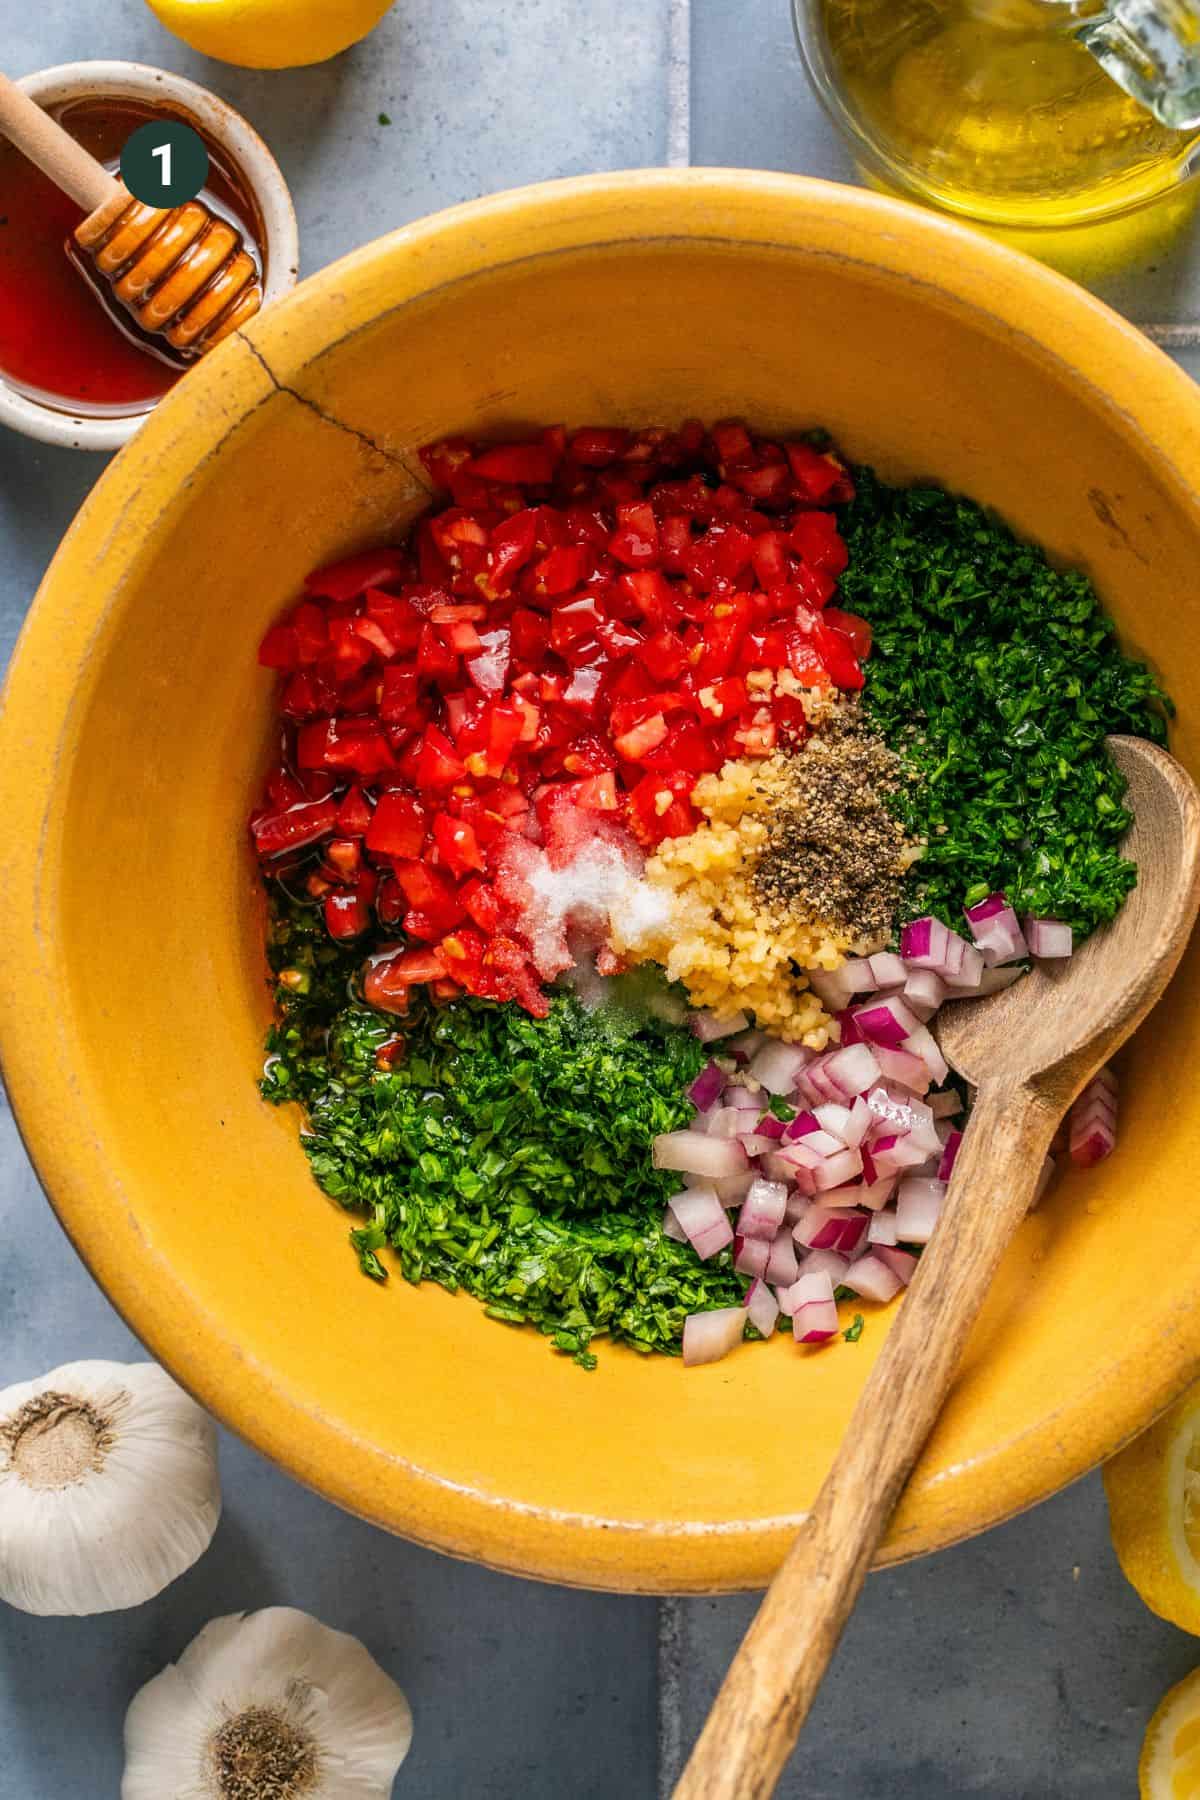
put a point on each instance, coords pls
(774, 1677)
(44, 141)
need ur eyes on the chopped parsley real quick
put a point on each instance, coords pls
(384, 118)
(997, 678)
(503, 1154)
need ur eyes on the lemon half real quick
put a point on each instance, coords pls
(269, 34)
(1154, 1513)
(1170, 1765)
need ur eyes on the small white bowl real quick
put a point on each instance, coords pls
(244, 147)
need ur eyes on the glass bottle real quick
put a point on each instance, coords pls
(1018, 112)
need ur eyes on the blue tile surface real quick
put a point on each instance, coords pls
(1020, 1667)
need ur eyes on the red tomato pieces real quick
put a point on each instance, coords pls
(561, 649)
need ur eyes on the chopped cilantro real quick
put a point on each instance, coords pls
(854, 1331)
(503, 1154)
(781, 1108)
(384, 118)
(997, 678)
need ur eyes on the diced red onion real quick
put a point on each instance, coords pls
(814, 1311)
(702, 1217)
(815, 1323)
(874, 1194)
(902, 1263)
(923, 943)
(922, 1043)
(1049, 937)
(723, 1122)
(888, 970)
(743, 1046)
(762, 1210)
(1091, 1146)
(825, 1262)
(694, 1153)
(833, 1119)
(729, 1189)
(707, 1087)
(853, 1069)
(847, 1125)
(949, 1156)
(1092, 1126)
(751, 1255)
(850, 1034)
(755, 1144)
(834, 987)
(996, 930)
(946, 1105)
(837, 1169)
(919, 1203)
(782, 1266)
(797, 1205)
(891, 1154)
(672, 1228)
(925, 989)
(887, 1022)
(761, 1307)
(769, 1127)
(831, 1228)
(993, 907)
(782, 1166)
(904, 1067)
(872, 1279)
(708, 1026)
(741, 1097)
(708, 1336)
(969, 972)
(777, 1065)
(881, 1231)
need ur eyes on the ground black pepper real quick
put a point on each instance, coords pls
(835, 852)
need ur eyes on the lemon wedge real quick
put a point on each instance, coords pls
(1153, 1492)
(269, 34)
(1170, 1765)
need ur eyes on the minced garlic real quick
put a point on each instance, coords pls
(728, 947)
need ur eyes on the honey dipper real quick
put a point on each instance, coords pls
(181, 274)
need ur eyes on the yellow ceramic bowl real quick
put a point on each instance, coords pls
(132, 1001)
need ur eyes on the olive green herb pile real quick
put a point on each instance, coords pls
(506, 1155)
(997, 679)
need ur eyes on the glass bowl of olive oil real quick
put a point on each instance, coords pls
(1016, 112)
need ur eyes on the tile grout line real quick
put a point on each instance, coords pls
(670, 1609)
(1172, 337)
(679, 84)
(670, 1694)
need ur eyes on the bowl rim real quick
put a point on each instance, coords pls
(121, 79)
(1056, 321)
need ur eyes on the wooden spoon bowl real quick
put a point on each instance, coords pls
(1029, 1050)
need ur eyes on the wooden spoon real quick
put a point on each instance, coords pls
(1028, 1050)
(181, 273)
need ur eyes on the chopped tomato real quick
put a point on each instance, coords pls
(347, 579)
(294, 828)
(397, 826)
(562, 650)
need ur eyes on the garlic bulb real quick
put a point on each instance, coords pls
(270, 1705)
(108, 1487)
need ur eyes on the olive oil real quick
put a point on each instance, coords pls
(996, 108)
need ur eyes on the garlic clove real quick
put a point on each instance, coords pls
(108, 1487)
(271, 1703)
